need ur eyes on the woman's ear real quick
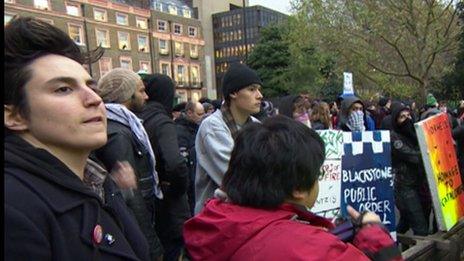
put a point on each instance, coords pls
(13, 119)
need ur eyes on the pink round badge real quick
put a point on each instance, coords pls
(97, 234)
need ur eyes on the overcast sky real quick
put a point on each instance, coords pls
(282, 6)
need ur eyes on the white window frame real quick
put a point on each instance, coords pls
(107, 33)
(197, 83)
(100, 65)
(147, 62)
(184, 74)
(174, 28)
(158, 25)
(81, 32)
(194, 54)
(128, 45)
(169, 68)
(143, 19)
(78, 6)
(48, 7)
(105, 14)
(172, 9)
(122, 14)
(181, 48)
(195, 30)
(163, 50)
(147, 47)
(127, 58)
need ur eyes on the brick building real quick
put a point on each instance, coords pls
(133, 37)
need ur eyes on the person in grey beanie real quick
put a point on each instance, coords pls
(215, 138)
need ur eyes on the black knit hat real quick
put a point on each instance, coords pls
(237, 77)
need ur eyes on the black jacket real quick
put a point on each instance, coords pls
(173, 210)
(186, 134)
(163, 137)
(406, 155)
(51, 215)
(122, 145)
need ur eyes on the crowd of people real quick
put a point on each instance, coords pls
(111, 170)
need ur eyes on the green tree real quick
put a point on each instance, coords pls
(392, 46)
(270, 58)
(452, 87)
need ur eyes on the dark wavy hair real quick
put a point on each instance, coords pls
(271, 160)
(27, 39)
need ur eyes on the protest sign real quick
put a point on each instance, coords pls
(348, 84)
(328, 200)
(440, 162)
(367, 182)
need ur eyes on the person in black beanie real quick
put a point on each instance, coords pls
(173, 210)
(215, 137)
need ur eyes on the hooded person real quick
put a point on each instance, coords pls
(411, 193)
(173, 209)
(353, 116)
(293, 106)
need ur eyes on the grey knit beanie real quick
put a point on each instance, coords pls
(118, 85)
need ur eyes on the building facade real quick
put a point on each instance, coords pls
(235, 34)
(204, 10)
(130, 35)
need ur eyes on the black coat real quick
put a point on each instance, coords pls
(186, 134)
(51, 215)
(123, 146)
(173, 210)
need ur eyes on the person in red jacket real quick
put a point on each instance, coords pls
(262, 211)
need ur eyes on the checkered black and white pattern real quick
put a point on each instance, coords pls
(357, 140)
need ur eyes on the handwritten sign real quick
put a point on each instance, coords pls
(440, 162)
(367, 180)
(328, 200)
(348, 83)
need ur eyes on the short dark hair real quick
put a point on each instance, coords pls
(271, 160)
(27, 39)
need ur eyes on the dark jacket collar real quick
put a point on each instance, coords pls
(41, 170)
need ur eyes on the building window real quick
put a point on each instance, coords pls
(42, 4)
(145, 66)
(161, 26)
(165, 69)
(7, 17)
(193, 51)
(187, 13)
(126, 62)
(179, 48)
(177, 29)
(124, 41)
(194, 76)
(73, 9)
(163, 46)
(105, 65)
(172, 9)
(192, 31)
(76, 33)
(143, 43)
(100, 15)
(122, 19)
(10, 1)
(180, 75)
(141, 22)
(103, 37)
